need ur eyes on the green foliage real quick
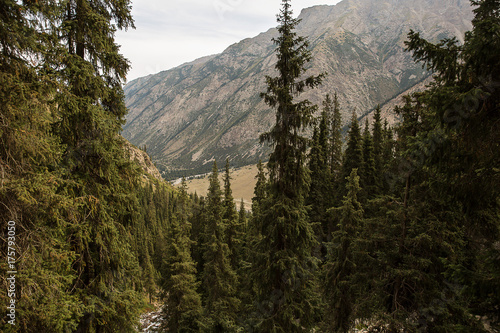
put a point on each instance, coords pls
(379, 140)
(220, 280)
(260, 190)
(320, 198)
(353, 156)
(414, 251)
(91, 111)
(369, 178)
(183, 309)
(31, 182)
(242, 216)
(448, 199)
(284, 269)
(332, 108)
(67, 180)
(342, 263)
(289, 145)
(234, 230)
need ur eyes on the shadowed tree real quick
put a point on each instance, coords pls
(183, 310)
(285, 267)
(219, 278)
(341, 260)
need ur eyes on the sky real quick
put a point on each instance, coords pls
(172, 32)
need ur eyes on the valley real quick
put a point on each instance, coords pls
(210, 109)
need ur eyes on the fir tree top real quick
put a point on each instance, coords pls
(291, 117)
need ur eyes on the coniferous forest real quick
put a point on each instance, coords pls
(388, 229)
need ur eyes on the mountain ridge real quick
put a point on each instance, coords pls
(210, 109)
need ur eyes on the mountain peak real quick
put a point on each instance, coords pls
(211, 109)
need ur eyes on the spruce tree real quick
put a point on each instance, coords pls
(253, 237)
(242, 217)
(462, 107)
(260, 190)
(254, 232)
(32, 180)
(353, 156)
(335, 158)
(234, 232)
(368, 173)
(182, 311)
(388, 145)
(341, 263)
(378, 147)
(284, 271)
(91, 112)
(219, 278)
(319, 197)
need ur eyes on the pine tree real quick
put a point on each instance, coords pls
(183, 310)
(242, 217)
(388, 145)
(335, 158)
(32, 179)
(353, 156)
(234, 233)
(246, 240)
(342, 262)
(378, 143)
(462, 110)
(219, 278)
(260, 190)
(254, 233)
(284, 271)
(198, 223)
(253, 238)
(91, 111)
(368, 173)
(320, 198)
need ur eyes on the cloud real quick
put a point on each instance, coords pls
(169, 33)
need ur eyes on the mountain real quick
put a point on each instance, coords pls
(142, 159)
(210, 108)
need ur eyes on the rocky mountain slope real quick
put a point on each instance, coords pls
(210, 108)
(143, 160)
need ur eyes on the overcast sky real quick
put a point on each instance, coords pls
(171, 32)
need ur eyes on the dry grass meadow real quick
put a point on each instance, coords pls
(242, 183)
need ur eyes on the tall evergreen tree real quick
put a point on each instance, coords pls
(378, 144)
(319, 197)
(341, 263)
(335, 158)
(242, 216)
(183, 310)
(32, 179)
(464, 104)
(234, 232)
(91, 111)
(260, 190)
(353, 156)
(284, 271)
(368, 173)
(254, 229)
(253, 237)
(219, 278)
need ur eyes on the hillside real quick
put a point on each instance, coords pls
(143, 160)
(210, 108)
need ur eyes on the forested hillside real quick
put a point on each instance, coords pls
(397, 230)
(83, 226)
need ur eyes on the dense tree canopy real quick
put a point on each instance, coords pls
(398, 231)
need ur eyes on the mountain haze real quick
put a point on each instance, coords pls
(210, 108)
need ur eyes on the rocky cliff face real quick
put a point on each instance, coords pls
(143, 160)
(210, 109)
